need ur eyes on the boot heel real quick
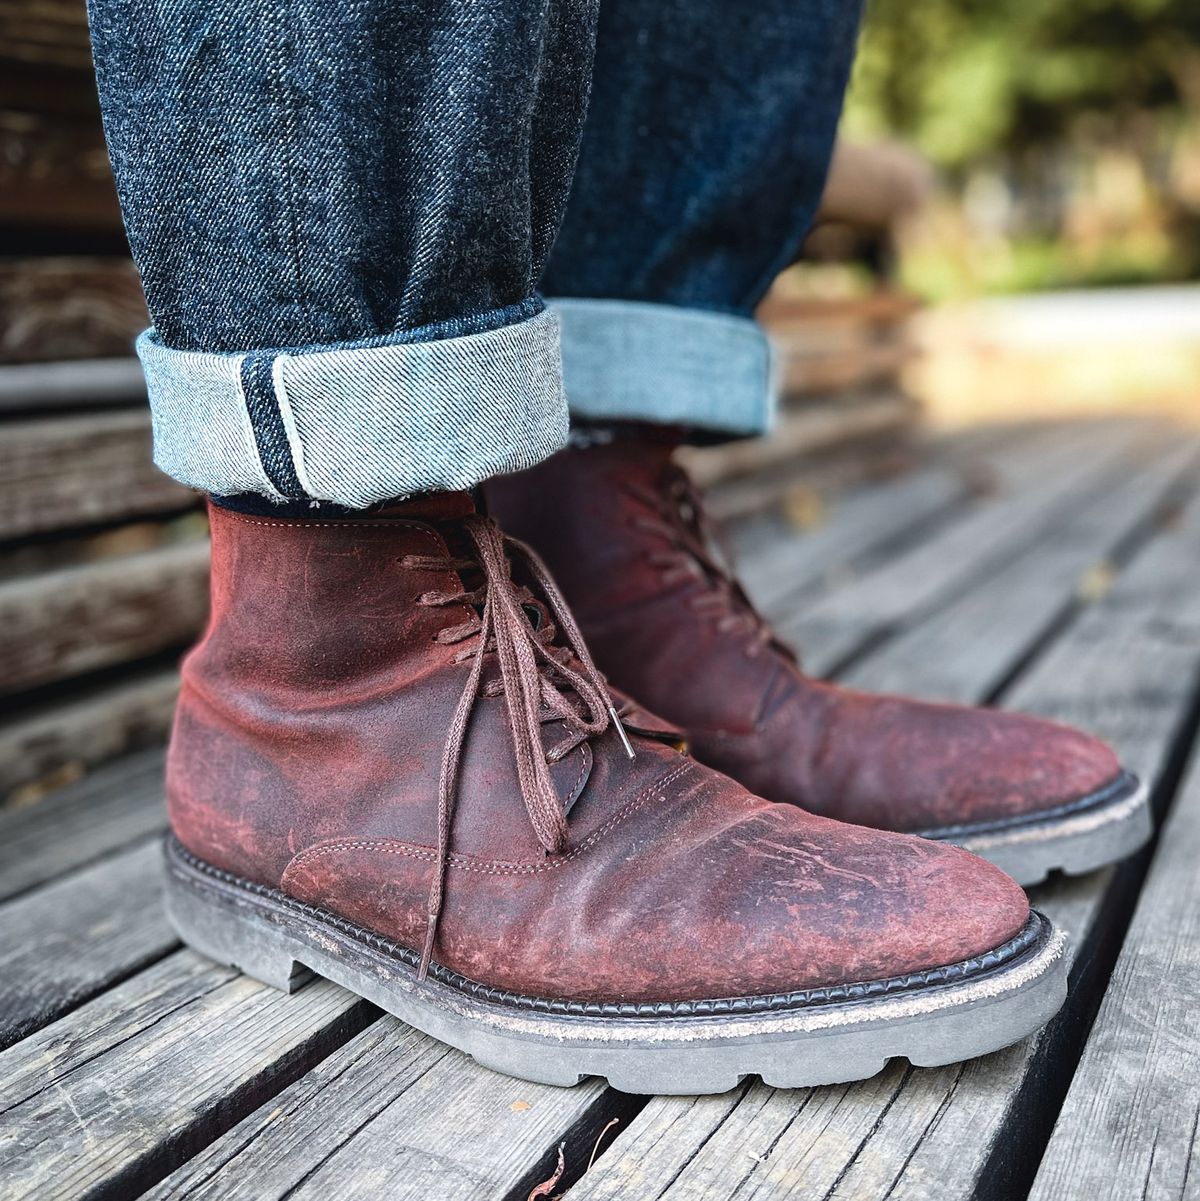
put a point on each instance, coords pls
(221, 929)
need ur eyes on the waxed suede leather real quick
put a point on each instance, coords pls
(890, 762)
(305, 757)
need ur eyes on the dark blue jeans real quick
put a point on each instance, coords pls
(344, 215)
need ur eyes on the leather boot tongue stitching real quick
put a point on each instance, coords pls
(533, 674)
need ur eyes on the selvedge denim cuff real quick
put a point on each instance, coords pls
(357, 423)
(632, 361)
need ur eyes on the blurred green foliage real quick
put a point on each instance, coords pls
(965, 79)
(1066, 134)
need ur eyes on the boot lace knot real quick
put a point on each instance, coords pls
(539, 678)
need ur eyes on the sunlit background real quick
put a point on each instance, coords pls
(1046, 154)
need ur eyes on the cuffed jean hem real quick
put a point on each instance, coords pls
(358, 423)
(631, 361)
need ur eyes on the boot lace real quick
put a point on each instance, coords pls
(677, 515)
(537, 677)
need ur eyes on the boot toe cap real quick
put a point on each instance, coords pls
(943, 906)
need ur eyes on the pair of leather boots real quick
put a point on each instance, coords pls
(397, 764)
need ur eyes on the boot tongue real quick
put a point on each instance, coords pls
(630, 453)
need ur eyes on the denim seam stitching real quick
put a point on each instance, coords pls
(266, 420)
(288, 418)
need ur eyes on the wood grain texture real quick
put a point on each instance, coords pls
(976, 639)
(94, 926)
(77, 619)
(777, 563)
(1129, 1126)
(784, 562)
(1125, 668)
(188, 1075)
(73, 735)
(67, 471)
(1055, 475)
(113, 808)
(59, 308)
(116, 1095)
(395, 1114)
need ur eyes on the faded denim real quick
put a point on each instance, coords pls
(707, 142)
(342, 216)
(360, 424)
(708, 373)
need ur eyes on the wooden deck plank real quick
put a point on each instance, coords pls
(395, 1114)
(94, 926)
(464, 1099)
(123, 1089)
(1129, 1125)
(392, 1109)
(77, 619)
(1053, 480)
(117, 805)
(780, 565)
(343, 1173)
(119, 1093)
(1126, 670)
(966, 653)
(94, 725)
(67, 471)
(1123, 672)
(1120, 669)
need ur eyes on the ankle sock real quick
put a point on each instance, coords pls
(255, 505)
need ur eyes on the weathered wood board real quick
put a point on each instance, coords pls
(68, 471)
(1129, 1126)
(113, 1096)
(67, 736)
(116, 806)
(1121, 669)
(78, 619)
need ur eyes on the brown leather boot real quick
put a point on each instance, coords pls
(394, 767)
(623, 531)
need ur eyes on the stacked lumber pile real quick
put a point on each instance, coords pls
(103, 575)
(103, 561)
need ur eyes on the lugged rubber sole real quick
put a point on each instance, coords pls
(819, 1036)
(1087, 834)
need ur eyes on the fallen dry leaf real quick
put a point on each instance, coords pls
(1096, 583)
(546, 1188)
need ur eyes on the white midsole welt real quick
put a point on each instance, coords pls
(885, 1010)
(1067, 827)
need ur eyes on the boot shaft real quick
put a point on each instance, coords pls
(314, 607)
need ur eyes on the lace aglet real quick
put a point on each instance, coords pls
(427, 951)
(621, 731)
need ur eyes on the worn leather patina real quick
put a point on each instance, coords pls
(310, 747)
(622, 529)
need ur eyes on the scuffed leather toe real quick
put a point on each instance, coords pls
(884, 905)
